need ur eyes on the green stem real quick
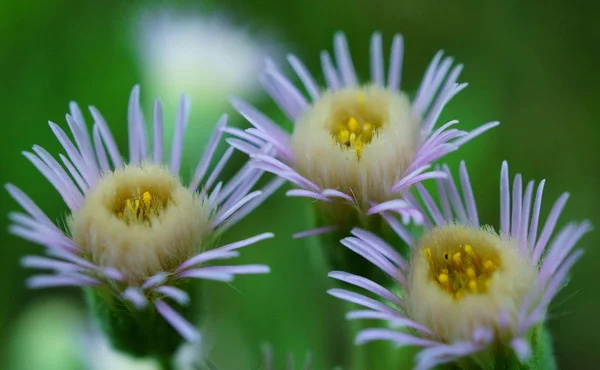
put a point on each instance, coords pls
(334, 256)
(503, 357)
(166, 363)
(542, 356)
(139, 333)
(358, 354)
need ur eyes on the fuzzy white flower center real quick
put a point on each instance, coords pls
(462, 278)
(140, 220)
(358, 140)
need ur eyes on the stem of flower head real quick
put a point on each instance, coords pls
(340, 258)
(166, 363)
(138, 333)
(334, 256)
(542, 353)
(341, 346)
(504, 357)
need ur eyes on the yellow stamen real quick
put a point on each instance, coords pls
(147, 198)
(460, 267)
(359, 148)
(489, 265)
(472, 286)
(132, 206)
(469, 250)
(344, 137)
(353, 125)
(456, 258)
(139, 208)
(353, 128)
(444, 279)
(367, 132)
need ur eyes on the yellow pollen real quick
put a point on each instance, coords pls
(461, 269)
(138, 208)
(353, 139)
(367, 132)
(352, 125)
(147, 198)
(456, 258)
(359, 147)
(473, 286)
(344, 136)
(132, 206)
(489, 265)
(355, 127)
(469, 250)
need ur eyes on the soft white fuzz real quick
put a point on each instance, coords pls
(170, 223)
(501, 290)
(366, 170)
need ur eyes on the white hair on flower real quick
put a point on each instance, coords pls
(355, 146)
(134, 227)
(466, 286)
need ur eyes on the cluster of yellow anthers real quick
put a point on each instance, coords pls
(138, 208)
(462, 270)
(354, 130)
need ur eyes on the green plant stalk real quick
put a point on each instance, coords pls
(345, 218)
(503, 357)
(376, 355)
(139, 333)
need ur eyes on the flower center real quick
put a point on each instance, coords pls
(358, 140)
(140, 220)
(463, 277)
(140, 208)
(355, 123)
(462, 269)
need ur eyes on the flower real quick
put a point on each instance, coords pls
(135, 232)
(355, 147)
(467, 288)
(175, 45)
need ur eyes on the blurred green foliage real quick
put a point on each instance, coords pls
(531, 66)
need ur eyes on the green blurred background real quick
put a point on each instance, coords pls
(533, 67)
